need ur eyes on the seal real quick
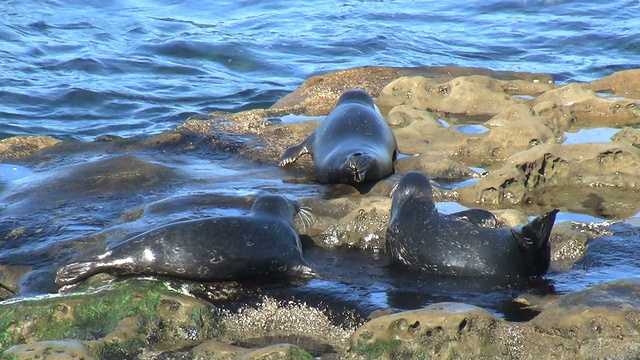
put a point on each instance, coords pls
(352, 145)
(421, 238)
(263, 243)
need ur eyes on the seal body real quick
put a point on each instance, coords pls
(423, 239)
(263, 243)
(352, 145)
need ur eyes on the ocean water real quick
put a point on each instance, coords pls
(80, 69)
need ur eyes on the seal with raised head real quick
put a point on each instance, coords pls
(352, 145)
(423, 239)
(263, 243)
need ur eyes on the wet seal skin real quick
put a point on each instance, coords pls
(353, 144)
(263, 243)
(422, 239)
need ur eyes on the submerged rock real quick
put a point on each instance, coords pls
(21, 146)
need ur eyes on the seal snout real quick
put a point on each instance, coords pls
(359, 163)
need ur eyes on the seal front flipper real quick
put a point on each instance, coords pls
(76, 272)
(478, 217)
(294, 152)
(535, 234)
(300, 274)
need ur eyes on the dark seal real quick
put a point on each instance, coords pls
(423, 239)
(352, 145)
(263, 243)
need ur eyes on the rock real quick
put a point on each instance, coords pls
(279, 351)
(272, 322)
(363, 228)
(598, 112)
(494, 145)
(600, 322)
(512, 113)
(627, 135)
(435, 165)
(567, 246)
(21, 146)
(318, 94)
(213, 349)
(442, 330)
(463, 95)
(548, 166)
(622, 83)
(565, 95)
(54, 350)
(404, 115)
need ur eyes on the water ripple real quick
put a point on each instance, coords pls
(81, 65)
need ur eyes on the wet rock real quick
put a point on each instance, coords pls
(548, 167)
(54, 350)
(318, 94)
(436, 166)
(443, 330)
(622, 83)
(21, 146)
(9, 279)
(279, 351)
(363, 228)
(567, 246)
(213, 349)
(598, 112)
(628, 135)
(272, 322)
(510, 217)
(600, 322)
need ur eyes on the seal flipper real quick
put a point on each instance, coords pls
(294, 152)
(478, 217)
(301, 273)
(535, 234)
(76, 272)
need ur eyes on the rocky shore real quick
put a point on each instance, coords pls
(501, 141)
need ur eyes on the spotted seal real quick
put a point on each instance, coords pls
(262, 243)
(423, 239)
(352, 145)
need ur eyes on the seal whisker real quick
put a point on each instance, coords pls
(394, 188)
(306, 217)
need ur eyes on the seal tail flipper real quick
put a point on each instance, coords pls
(76, 272)
(535, 234)
(293, 153)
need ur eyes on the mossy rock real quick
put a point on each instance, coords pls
(113, 319)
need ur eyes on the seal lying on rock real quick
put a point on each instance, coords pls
(421, 238)
(352, 145)
(263, 243)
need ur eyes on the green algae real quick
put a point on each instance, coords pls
(115, 349)
(80, 316)
(300, 354)
(376, 349)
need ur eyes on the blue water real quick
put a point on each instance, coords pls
(86, 68)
